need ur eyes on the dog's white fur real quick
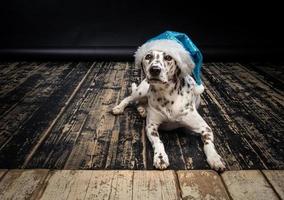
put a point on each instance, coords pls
(170, 103)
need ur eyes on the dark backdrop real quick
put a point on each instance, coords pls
(111, 29)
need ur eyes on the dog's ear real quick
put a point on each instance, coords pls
(177, 73)
(142, 66)
(185, 63)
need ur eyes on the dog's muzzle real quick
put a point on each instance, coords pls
(155, 71)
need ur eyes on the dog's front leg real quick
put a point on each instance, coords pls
(160, 160)
(197, 124)
(136, 94)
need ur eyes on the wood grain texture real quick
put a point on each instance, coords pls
(276, 179)
(22, 184)
(248, 184)
(243, 104)
(201, 184)
(65, 184)
(155, 185)
(110, 185)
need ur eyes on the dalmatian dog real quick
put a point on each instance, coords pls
(167, 100)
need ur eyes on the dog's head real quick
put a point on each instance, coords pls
(160, 67)
(163, 61)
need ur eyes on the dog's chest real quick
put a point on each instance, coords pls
(173, 105)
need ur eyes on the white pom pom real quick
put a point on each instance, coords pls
(198, 89)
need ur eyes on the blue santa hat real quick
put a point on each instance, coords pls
(181, 48)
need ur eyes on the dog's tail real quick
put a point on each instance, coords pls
(133, 87)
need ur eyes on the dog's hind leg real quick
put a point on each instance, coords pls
(137, 94)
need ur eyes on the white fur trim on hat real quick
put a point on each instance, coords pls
(198, 89)
(171, 48)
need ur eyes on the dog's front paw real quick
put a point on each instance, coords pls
(117, 110)
(161, 160)
(216, 163)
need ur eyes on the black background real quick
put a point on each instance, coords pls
(91, 29)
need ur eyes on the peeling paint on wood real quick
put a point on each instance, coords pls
(201, 185)
(241, 103)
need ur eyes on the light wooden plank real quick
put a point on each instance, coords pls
(276, 179)
(116, 185)
(66, 184)
(100, 185)
(155, 185)
(201, 184)
(22, 184)
(249, 185)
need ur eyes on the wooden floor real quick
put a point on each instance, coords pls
(141, 184)
(56, 116)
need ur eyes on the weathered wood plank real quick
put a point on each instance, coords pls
(90, 151)
(192, 150)
(25, 80)
(110, 185)
(270, 73)
(26, 136)
(172, 145)
(201, 184)
(245, 124)
(276, 179)
(64, 110)
(22, 184)
(130, 152)
(248, 184)
(65, 184)
(155, 185)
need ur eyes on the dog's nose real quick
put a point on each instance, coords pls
(155, 70)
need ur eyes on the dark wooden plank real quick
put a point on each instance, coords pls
(130, 153)
(91, 148)
(245, 126)
(58, 143)
(14, 153)
(192, 150)
(173, 149)
(21, 110)
(270, 73)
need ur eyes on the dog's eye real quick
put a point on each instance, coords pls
(148, 57)
(168, 58)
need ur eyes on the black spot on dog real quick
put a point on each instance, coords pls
(159, 99)
(206, 137)
(140, 93)
(182, 82)
(172, 102)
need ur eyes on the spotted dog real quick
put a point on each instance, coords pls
(171, 103)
